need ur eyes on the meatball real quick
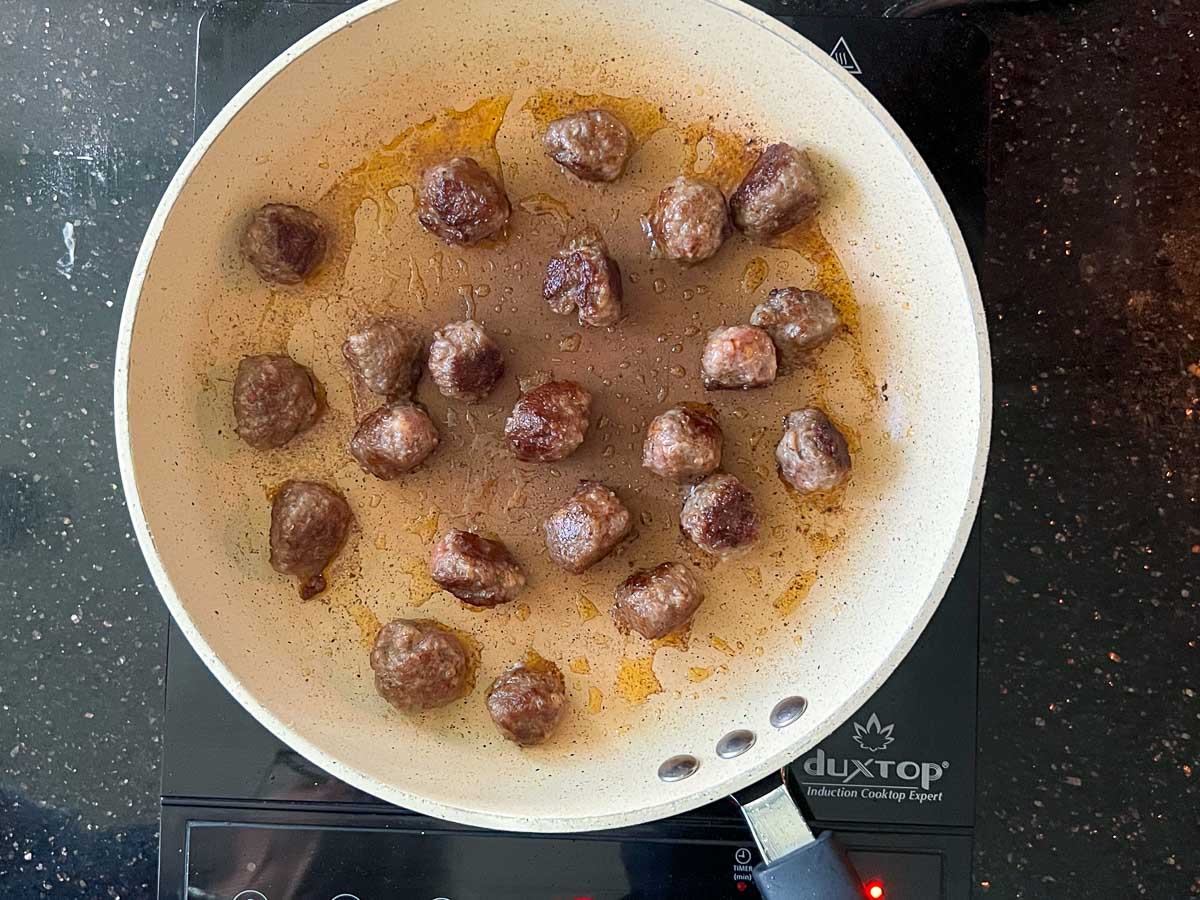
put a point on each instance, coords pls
(419, 665)
(796, 320)
(688, 222)
(549, 422)
(682, 444)
(812, 454)
(285, 244)
(475, 570)
(585, 529)
(719, 516)
(461, 202)
(584, 276)
(274, 399)
(528, 701)
(309, 522)
(394, 439)
(464, 362)
(737, 356)
(591, 144)
(385, 354)
(779, 191)
(655, 602)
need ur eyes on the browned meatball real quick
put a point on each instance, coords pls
(720, 517)
(528, 701)
(419, 665)
(737, 356)
(812, 454)
(386, 355)
(591, 144)
(688, 222)
(549, 422)
(284, 243)
(584, 276)
(585, 529)
(394, 439)
(779, 191)
(475, 570)
(309, 522)
(655, 602)
(274, 399)
(798, 321)
(461, 202)
(464, 362)
(682, 444)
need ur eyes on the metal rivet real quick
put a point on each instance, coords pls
(735, 743)
(787, 711)
(678, 768)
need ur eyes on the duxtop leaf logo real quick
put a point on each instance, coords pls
(874, 736)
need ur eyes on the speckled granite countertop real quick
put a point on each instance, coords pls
(1089, 779)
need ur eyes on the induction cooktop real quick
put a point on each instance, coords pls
(244, 817)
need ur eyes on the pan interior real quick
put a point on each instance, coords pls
(826, 603)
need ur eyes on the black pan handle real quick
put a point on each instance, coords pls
(820, 870)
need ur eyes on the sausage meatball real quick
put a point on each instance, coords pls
(779, 191)
(528, 701)
(720, 517)
(585, 529)
(394, 439)
(274, 399)
(464, 362)
(461, 202)
(592, 144)
(796, 320)
(549, 422)
(419, 665)
(584, 276)
(309, 522)
(812, 454)
(386, 355)
(688, 222)
(475, 570)
(284, 243)
(737, 356)
(655, 602)
(682, 444)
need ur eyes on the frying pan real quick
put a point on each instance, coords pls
(792, 638)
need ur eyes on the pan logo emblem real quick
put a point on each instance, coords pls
(873, 737)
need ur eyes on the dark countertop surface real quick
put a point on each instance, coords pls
(1090, 681)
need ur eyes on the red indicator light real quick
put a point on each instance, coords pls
(875, 890)
(741, 886)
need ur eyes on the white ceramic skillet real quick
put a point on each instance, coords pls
(824, 608)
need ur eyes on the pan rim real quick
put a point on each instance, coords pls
(661, 808)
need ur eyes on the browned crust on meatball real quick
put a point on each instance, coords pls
(586, 528)
(394, 439)
(528, 701)
(284, 243)
(656, 602)
(476, 570)
(720, 517)
(591, 144)
(464, 362)
(309, 524)
(549, 422)
(583, 276)
(419, 664)
(812, 454)
(779, 192)
(688, 222)
(737, 357)
(798, 321)
(682, 444)
(274, 399)
(386, 354)
(461, 202)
